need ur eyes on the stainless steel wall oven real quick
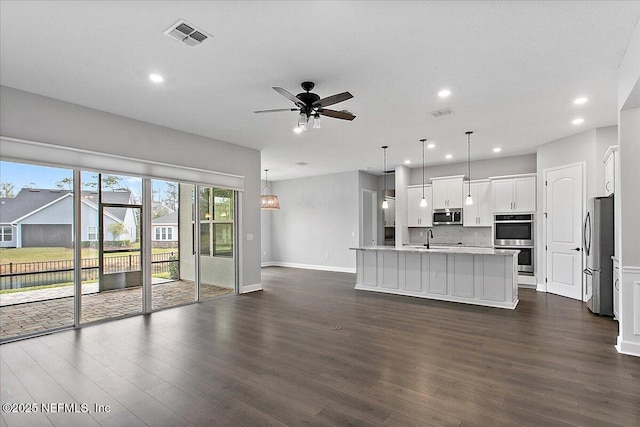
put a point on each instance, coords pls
(516, 231)
(513, 230)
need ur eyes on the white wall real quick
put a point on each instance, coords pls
(480, 169)
(629, 200)
(36, 118)
(317, 223)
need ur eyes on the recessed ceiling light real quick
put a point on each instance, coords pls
(298, 129)
(577, 121)
(156, 78)
(407, 162)
(581, 100)
(448, 157)
(431, 146)
(444, 93)
(497, 150)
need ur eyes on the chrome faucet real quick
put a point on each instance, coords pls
(429, 232)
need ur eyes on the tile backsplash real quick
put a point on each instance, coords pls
(453, 234)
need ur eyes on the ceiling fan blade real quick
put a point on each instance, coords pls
(289, 96)
(333, 99)
(276, 110)
(336, 114)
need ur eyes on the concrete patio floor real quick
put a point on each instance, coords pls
(54, 307)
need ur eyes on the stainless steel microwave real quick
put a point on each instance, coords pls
(447, 217)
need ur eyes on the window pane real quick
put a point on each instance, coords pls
(205, 239)
(223, 242)
(205, 205)
(170, 233)
(36, 260)
(223, 205)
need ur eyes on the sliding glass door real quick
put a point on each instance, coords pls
(126, 246)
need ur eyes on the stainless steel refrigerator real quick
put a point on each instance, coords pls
(599, 247)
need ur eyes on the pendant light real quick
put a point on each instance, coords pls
(469, 200)
(268, 201)
(423, 202)
(385, 204)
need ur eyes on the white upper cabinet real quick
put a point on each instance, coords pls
(517, 194)
(480, 213)
(447, 192)
(418, 216)
(609, 160)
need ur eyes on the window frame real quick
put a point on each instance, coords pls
(208, 223)
(4, 233)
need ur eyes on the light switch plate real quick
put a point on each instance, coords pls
(249, 236)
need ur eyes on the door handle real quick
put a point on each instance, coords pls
(576, 249)
(587, 271)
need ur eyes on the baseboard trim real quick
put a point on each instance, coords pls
(541, 288)
(628, 348)
(267, 264)
(251, 288)
(310, 267)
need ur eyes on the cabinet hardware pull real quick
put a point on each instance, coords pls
(617, 280)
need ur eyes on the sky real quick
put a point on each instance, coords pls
(25, 175)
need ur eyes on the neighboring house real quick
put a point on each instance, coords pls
(43, 217)
(165, 229)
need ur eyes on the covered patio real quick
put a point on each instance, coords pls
(35, 311)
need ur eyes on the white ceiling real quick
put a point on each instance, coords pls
(514, 69)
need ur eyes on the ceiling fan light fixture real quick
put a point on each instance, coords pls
(298, 129)
(302, 120)
(316, 121)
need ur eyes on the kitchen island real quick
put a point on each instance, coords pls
(480, 276)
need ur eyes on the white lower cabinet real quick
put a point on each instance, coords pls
(486, 278)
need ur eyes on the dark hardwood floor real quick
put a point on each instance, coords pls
(310, 350)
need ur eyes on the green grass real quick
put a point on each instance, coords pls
(16, 255)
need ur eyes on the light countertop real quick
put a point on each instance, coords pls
(443, 249)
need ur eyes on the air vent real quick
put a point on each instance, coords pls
(302, 163)
(187, 33)
(444, 112)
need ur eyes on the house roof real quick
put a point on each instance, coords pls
(29, 200)
(170, 218)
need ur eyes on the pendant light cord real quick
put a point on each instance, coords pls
(423, 141)
(469, 161)
(384, 172)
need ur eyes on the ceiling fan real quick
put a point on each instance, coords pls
(310, 104)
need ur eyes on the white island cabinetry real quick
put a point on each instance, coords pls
(479, 276)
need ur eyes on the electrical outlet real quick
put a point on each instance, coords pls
(326, 256)
(249, 236)
(264, 253)
(353, 234)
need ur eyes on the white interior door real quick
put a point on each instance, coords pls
(369, 235)
(564, 208)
